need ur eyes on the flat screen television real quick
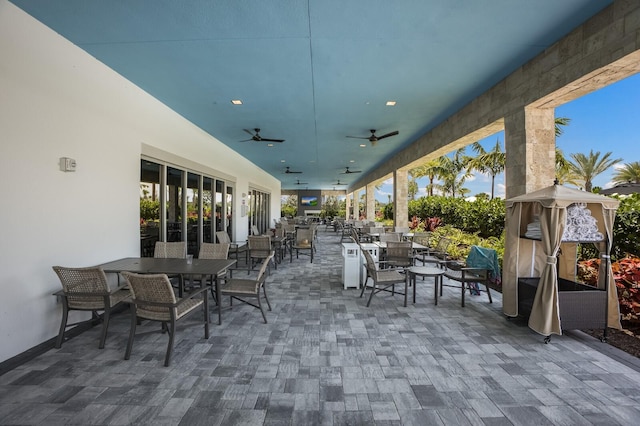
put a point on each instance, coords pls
(309, 200)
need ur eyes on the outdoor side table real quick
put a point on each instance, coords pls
(424, 271)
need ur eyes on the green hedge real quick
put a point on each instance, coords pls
(482, 217)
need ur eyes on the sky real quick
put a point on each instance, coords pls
(607, 120)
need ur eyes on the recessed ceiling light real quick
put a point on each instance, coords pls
(283, 161)
(391, 103)
(269, 144)
(352, 161)
(362, 145)
(236, 101)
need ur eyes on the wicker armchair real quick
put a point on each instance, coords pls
(154, 300)
(213, 251)
(303, 242)
(236, 248)
(86, 289)
(259, 249)
(174, 250)
(241, 289)
(382, 279)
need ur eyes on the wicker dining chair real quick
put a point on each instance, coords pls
(243, 288)
(170, 250)
(303, 242)
(259, 249)
(154, 300)
(235, 248)
(87, 289)
(213, 251)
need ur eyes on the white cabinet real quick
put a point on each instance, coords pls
(351, 265)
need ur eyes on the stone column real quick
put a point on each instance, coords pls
(400, 197)
(530, 144)
(348, 206)
(371, 201)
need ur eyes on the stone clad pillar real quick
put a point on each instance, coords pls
(530, 144)
(371, 201)
(348, 206)
(400, 197)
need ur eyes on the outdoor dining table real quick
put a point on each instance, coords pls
(151, 265)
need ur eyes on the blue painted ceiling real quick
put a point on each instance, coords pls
(312, 72)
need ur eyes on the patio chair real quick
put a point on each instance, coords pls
(235, 248)
(259, 249)
(154, 300)
(213, 251)
(439, 254)
(172, 250)
(399, 254)
(241, 289)
(480, 267)
(382, 278)
(87, 289)
(303, 242)
(390, 236)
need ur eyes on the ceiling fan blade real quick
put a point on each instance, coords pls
(246, 140)
(271, 140)
(388, 134)
(249, 131)
(289, 171)
(348, 172)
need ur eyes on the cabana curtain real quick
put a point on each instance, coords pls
(531, 258)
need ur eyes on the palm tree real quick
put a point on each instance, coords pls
(431, 169)
(561, 121)
(412, 188)
(629, 173)
(588, 167)
(491, 162)
(454, 171)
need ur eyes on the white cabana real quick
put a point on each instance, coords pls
(549, 251)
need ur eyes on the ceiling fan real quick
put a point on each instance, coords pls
(373, 138)
(339, 183)
(348, 172)
(289, 171)
(301, 183)
(257, 138)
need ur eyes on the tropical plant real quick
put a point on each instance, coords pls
(559, 122)
(412, 189)
(628, 173)
(491, 162)
(454, 172)
(587, 167)
(432, 169)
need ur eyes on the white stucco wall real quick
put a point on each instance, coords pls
(57, 101)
